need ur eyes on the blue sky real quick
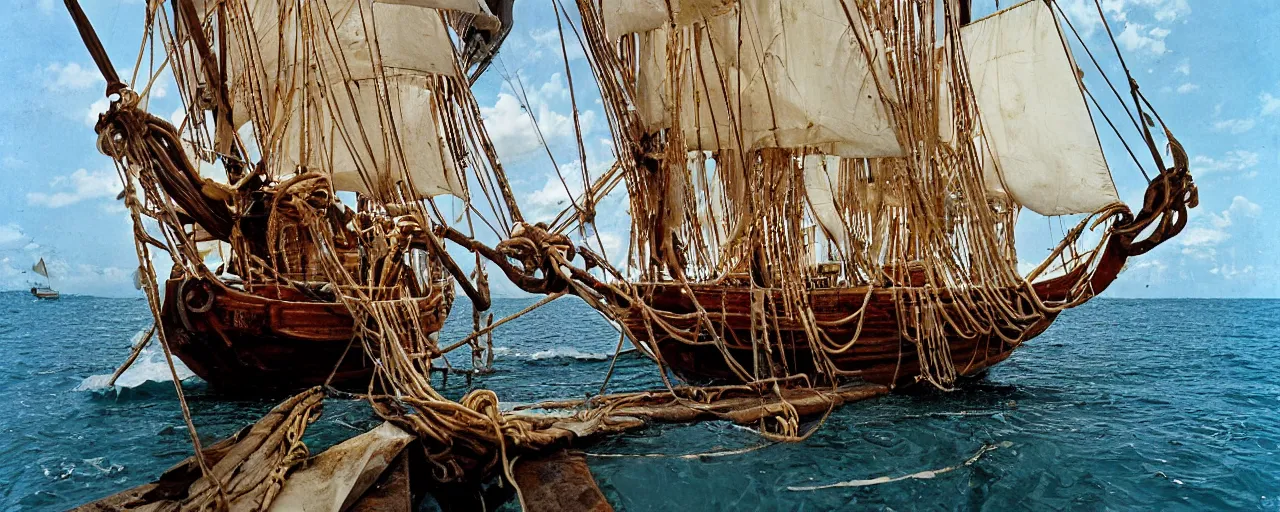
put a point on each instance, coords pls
(1210, 67)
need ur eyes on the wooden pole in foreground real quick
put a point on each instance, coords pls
(133, 356)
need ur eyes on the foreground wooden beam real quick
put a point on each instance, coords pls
(736, 404)
(558, 482)
(372, 471)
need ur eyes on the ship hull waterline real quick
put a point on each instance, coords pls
(881, 355)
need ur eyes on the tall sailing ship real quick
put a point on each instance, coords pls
(826, 191)
(277, 281)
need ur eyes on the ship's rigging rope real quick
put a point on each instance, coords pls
(949, 278)
(922, 232)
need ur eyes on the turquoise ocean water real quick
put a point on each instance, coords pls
(1123, 404)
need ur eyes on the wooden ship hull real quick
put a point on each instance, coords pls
(881, 354)
(275, 338)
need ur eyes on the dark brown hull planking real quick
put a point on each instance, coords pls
(276, 339)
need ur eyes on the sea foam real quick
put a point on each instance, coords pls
(150, 367)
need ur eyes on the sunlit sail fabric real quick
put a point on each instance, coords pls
(632, 16)
(1040, 143)
(795, 77)
(333, 87)
(417, 159)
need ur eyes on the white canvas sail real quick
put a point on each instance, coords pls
(330, 89)
(817, 88)
(821, 182)
(40, 268)
(1039, 140)
(417, 160)
(768, 86)
(623, 17)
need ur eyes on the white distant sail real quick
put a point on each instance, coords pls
(40, 268)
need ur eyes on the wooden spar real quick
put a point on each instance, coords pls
(492, 326)
(133, 356)
(224, 133)
(94, 45)
(433, 246)
(549, 478)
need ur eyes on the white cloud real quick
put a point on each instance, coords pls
(1147, 270)
(512, 130)
(98, 107)
(1234, 126)
(11, 234)
(612, 244)
(69, 277)
(1184, 67)
(76, 187)
(1188, 88)
(1235, 160)
(70, 77)
(1270, 103)
(549, 40)
(1084, 14)
(554, 196)
(46, 6)
(1135, 36)
(159, 90)
(1230, 271)
(1162, 10)
(178, 116)
(1201, 242)
(1167, 10)
(1241, 207)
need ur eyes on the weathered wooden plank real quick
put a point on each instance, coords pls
(557, 482)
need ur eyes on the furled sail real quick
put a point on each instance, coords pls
(795, 77)
(1039, 142)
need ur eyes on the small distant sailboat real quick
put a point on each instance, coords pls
(46, 291)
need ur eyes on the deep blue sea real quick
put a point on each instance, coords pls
(1121, 405)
